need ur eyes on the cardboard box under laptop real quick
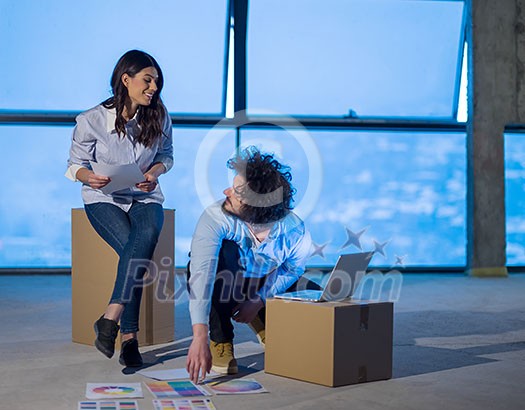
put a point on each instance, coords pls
(329, 343)
(94, 267)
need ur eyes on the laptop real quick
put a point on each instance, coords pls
(342, 282)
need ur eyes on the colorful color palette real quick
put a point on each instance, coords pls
(113, 391)
(184, 404)
(236, 386)
(182, 388)
(108, 405)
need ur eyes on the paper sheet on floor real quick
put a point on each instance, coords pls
(184, 404)
(108, 405)
(236, 386)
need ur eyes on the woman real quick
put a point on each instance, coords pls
(132, 126)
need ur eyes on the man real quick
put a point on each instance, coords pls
(245, 249)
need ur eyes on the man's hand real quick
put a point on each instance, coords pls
(198, 362)
(246, 311)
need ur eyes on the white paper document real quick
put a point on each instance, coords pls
(122, 176)
(171, 374)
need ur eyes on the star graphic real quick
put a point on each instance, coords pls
(318, 249)
(400, 260)
(380, 247)
(353, 238)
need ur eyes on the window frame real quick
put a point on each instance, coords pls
(237, 17)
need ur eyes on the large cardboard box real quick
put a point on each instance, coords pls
(94, 267)
(330, 343)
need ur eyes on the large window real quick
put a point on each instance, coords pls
(395, 175)
(515, 198)
(36, 197)
(59, 57)
(406, 192)
(388, 58)
(197, 179)
(37, 200)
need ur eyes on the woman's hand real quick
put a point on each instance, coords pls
(151, 177)
(98, 181)
(95, 181)
(149, 183)
(246, 311)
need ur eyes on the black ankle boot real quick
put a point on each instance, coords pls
(106, 330)
(129, 354)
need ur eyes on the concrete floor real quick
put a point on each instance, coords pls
(459, 343)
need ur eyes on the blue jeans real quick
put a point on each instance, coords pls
(133, 235)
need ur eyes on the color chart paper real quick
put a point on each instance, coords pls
(172, 374)
(184, 404)
(113, 391)
(236, 386)
(108, 405)
(179, 388)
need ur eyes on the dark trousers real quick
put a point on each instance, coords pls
(230, 289)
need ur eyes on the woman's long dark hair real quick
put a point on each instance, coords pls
(150, 118)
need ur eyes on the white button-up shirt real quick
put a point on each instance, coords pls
(95, 139)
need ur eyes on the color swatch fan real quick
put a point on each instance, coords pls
(113, 391)
(236, 386)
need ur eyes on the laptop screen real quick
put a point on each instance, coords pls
(346, 275)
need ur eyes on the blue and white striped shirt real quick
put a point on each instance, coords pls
(95, 139)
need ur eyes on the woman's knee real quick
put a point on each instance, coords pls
(110, 222)
(150, 233)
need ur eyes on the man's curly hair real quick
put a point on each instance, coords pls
(268, 193)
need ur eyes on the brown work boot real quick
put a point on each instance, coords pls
(259, 329)
(222, 360)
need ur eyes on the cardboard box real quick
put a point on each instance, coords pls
(329, 343)
(94, 268)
